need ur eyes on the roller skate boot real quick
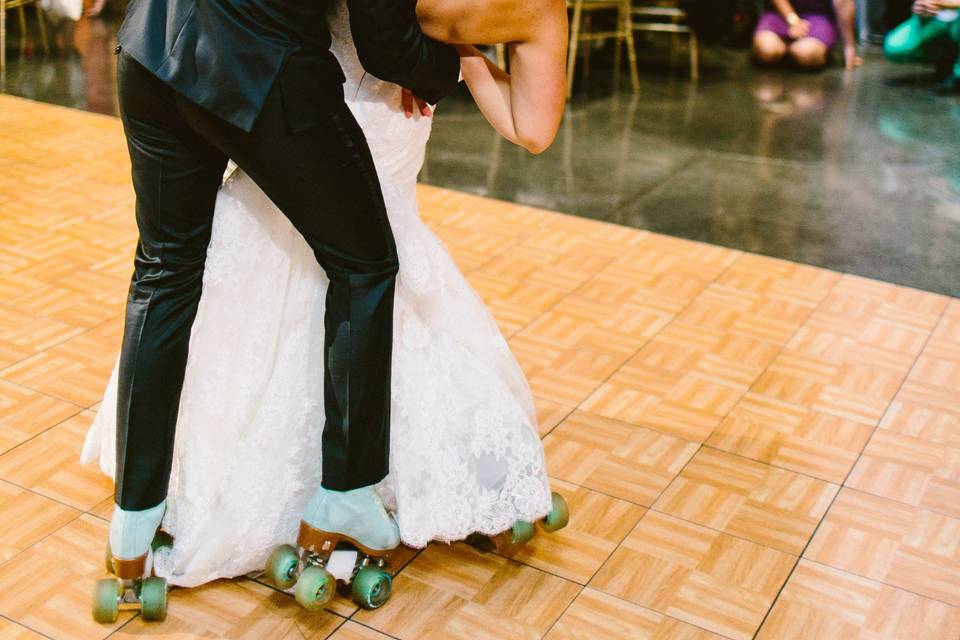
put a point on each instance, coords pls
(334, 524)
(134, 538)
(522, 532)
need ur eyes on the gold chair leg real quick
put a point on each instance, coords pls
(501, 57)
(42, 23)
(3, 35)
(618, 46)
(694, 57)
(631, 49)
(574, 40)
(674, 44)
(22, 16)
(587, 29)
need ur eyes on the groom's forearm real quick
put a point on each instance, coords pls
(391, 46)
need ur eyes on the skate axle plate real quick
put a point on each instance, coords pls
(129, 598)
(343, 563)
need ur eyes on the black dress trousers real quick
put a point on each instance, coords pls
(310, 157)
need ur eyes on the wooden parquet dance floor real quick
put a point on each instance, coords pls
(750, 447)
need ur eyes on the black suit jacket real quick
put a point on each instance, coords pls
(225, 55)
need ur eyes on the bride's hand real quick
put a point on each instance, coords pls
(411, 101)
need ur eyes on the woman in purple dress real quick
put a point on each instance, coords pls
(805, 31)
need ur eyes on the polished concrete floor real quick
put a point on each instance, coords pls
(858, 172)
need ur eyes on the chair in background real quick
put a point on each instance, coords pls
(666, 16)
(581, 31)
(7, 5)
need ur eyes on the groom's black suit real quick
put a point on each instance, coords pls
(201, 81)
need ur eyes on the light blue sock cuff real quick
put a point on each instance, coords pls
(131, 532)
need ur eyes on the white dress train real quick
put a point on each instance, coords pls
(465, 454)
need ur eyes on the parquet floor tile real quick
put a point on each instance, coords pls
(616, 458)
(919, 472)
(13, 631)
(764, 504)
(694, 371)
(549, 414)
(891, 542)
(24, 334)
(914, 456)
(861, 342)
(458, 592)
(595, 614)
(792, 437)
(924, 413)
(945, 340)
(65, 305)
(825, 603)
(815, 406)
(353, 631)
(698, 575)
(49, 464)
(236, 609)
(26, 518)
(75, 371)
(708, 414)
(48, 586)
(103, 509)
(568, 351)
(24, 413)
(598, 523)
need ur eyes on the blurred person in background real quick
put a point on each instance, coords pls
(931, 35)
(96, 8)
(805, 31)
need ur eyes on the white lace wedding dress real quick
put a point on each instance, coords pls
(465, 454)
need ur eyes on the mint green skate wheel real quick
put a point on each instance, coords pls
(281, 567)
(153, 598)
(522, 532)
(558, 517)
(315, 588)
(372, 587)
(106, 600)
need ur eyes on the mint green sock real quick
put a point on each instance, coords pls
(131, 532)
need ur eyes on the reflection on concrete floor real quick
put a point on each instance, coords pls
(80, 71)
(858, 172)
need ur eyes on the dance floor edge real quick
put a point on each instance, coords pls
(750, 447)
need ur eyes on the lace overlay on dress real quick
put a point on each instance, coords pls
(465, 453)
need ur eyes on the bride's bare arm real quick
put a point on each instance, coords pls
(525, 106)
